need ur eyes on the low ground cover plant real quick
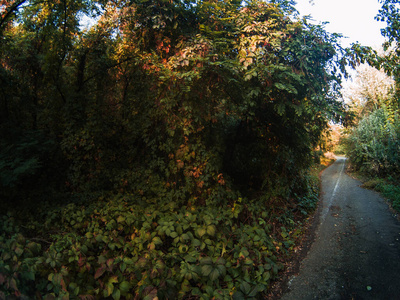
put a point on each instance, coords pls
(113, 248)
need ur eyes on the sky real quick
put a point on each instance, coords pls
(352, 18)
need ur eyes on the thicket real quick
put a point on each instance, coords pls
(373, 146)
(162, 152)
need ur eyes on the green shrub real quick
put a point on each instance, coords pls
(373, 146)
(115, 248)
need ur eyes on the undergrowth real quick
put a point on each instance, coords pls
(112, 248)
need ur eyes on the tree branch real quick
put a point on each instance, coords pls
(10, 10)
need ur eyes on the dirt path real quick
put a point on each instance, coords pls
(356, 253)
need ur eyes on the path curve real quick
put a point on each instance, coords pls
(356, 253)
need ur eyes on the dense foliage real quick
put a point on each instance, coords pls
(163, 151)
(390, 13)
(127, 251)
(374, 145)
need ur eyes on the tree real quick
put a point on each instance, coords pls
(390, 13)
(197, 92)
(373, 144)
(371, 89)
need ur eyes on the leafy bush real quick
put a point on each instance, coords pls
(116, 248)
(374, 146)
(18, 261)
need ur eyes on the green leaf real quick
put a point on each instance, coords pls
(221, 269)
(113, 279)
(208, 242)
(109, 289)
(245, 288)
(122, 267)
(30, 275)
(157, 240)
(196, 243)
(74, 287)
(116, 294)
(210, 290)
(238, 296)
(266, 275)
(254, 292)
(211, 230)
(201, 232)
(214, 274)
(124, 286)
(185, 237)
(206, 260)
(190, 259)
(19, 251)
(206, 270)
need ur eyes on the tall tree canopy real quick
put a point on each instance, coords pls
(390, 13)
(182, 93)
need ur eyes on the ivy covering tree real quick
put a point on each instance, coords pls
(166, 148)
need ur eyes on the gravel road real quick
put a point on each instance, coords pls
(356, 253)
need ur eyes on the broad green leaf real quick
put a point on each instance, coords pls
(116, 294)
(124, 286)
(208, 241)
(122, 267)
(196, 243)
(214, 274)
(245, 288)
(185, 237)
(206, 260)
(157, 240)
(190, 259)
(206, 270)
(109, 288)
(201, 232)
(211, 230)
